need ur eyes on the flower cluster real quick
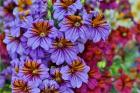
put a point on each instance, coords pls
(70, 46)
(44, 40)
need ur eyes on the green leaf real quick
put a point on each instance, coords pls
(101, 64)
(49, 3)
(1, 65)
(49, 16)
(116, 65)
(1, 2)
(82, 1)
(135, 89)
(113, 90)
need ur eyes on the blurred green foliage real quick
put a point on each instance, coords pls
(1, 2)
(125, 62)
(6, 89)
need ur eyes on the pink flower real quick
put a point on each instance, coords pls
(123, 84)
(120, 36)
(3, 54)
(97, 83)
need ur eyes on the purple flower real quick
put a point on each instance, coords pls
(14, 44)
(7, 10)
(81, 45)
(27, 22)
(15, 28)
(39, 9)
(63, 50)
(20, 85)
(7, 27)
(49, 86)
(41, 34)
(16, 64)
(37, 53)
(7, 73)
(98, 26)
(66, 89)
(111, 4)
(93, 1)
(34, 70)
(76, 73)
(23, 7)
(2, 80)
(73, 26)
(64, 7)
(65, 86)
(44, 53)
(56, 75)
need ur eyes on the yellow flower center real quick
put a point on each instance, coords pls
(124, 34)
(58, 76)
(74, 20)
(35, 71)
(62, 43)
(16, 69)
(42, 34)
(77, 24)
(41, 28)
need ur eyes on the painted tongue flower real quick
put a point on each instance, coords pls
(41, 34)
(95, 52)
(92, 54)
(65, 86)
(74, 28)
(98, 83)
(49, 86)
(56, 75)
(5, 74)
(120, 36)
(136, 32)
(45, 50)
(123, 84)
(20, 85)
(125, 9)
(23, 7)
(98, 26)
(92, 3)
(94, 74)
(14, 44)
(64, 7)
(108, 4)
(76, 73)
(7, 9)
(34, 70)
(15, 64)
(63, 50)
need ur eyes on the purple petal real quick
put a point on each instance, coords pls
(57, 57)
(72, 35)
(29, 34)
(75, 82)
(59, 14)
(34, 42)
(45, 43)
